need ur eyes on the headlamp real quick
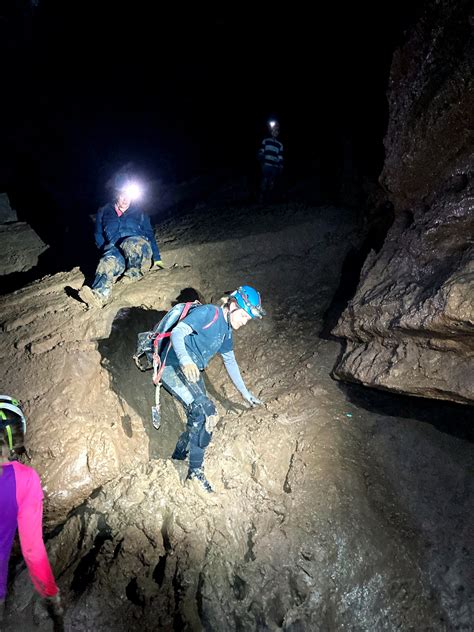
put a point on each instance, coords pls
(132, 190)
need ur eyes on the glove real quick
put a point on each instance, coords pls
(252, 400)
(55, 611)
(191, 372)
(159, 264)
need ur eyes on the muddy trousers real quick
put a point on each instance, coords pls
(133, 253)
(198, 408)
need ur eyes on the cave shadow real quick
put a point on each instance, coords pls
(447, 417)
(188, 294)
(351, 269)
(136, 387)
(62, 254)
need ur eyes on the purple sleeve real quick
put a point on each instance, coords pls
(8, 521)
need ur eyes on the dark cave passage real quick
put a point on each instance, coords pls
(134, 386)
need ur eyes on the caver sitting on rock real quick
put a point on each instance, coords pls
(124, 235)
(207, 330)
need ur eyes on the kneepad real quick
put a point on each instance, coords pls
(202, 418)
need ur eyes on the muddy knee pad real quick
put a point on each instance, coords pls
(111, 266)
(199, 412)
(137, 252)
(211, 417)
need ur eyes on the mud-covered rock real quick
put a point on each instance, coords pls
(312, 525)
(50, 362)
(20, 247)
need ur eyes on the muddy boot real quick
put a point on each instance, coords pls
(133, 274)
(181, 449)
(93, 298)
(197, 474)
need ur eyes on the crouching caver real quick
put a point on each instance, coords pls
(207, 330)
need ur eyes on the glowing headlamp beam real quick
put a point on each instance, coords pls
(132, 190)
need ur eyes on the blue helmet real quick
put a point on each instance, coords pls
(249, 300)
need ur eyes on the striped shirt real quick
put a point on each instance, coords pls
(271, 152)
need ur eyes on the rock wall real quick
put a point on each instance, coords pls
(410, 326)
(19, 244)
(7, 214)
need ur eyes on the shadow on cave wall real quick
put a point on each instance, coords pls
(447, 417)
(135, 386)
(376, 231)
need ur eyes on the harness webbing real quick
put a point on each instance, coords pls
(158, 363)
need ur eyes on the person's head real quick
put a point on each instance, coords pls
(244, 304)
(122, 196)
(274, 127)
(12, 426)
(126, 191)
(123, 201)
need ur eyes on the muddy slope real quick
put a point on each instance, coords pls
(326, 515)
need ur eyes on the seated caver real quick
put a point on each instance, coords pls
(124, 235)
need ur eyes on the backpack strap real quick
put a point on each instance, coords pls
(216, 316)
(158, 363)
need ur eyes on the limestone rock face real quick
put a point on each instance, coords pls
(19, 244)
(7, 214)
(410, 326)
(20, 247)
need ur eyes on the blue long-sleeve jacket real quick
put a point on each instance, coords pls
(110, 228)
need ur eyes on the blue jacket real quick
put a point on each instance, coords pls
(110, 229)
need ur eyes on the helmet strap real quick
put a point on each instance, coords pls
(229, 304)
(10, 437)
